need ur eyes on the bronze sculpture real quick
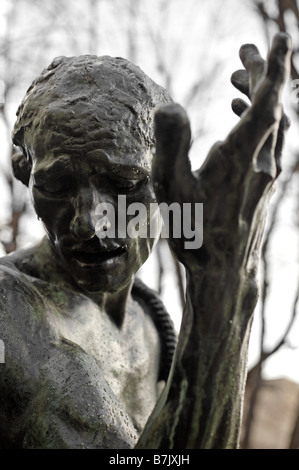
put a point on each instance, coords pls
(85, 346)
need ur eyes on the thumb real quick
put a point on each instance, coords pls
(171, 172)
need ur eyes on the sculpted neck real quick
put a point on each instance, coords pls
(113, 304)
(43, 262)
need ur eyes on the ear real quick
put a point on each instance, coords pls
(21, 167)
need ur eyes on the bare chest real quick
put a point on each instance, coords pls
(128, 356)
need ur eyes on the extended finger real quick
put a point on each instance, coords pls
(279, 55)
(240, 80)
(268, 95)
(171, 168)
(254, 64)
(239, 106)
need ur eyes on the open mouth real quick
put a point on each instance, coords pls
(98, 257)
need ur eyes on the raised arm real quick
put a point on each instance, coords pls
(202, 403)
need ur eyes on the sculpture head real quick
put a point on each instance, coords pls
(85, 130)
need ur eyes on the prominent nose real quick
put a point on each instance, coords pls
(83, 223)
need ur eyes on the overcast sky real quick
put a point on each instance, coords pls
(201, 43)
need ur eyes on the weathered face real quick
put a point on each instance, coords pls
(69, 182)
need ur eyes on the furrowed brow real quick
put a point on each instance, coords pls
(54, 167)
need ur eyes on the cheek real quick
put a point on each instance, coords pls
(145, 230)
(142, 213)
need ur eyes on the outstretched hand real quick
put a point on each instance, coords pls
(237, 172)
(247, 81)
(201, 404)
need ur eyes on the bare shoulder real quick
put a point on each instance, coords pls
(22, 308)
(14, 284)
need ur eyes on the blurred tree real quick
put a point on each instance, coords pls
(176, 43)
(28, 42)
(277, 15)
(163, 37)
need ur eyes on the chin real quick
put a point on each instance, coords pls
(103, 284)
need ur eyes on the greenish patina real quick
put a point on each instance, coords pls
(87, 346)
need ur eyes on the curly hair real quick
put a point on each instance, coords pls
(88, 98)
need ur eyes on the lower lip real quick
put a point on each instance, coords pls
(102, 263)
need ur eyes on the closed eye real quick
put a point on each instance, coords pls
(126, 185)
(59, 188)
(58, 193)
